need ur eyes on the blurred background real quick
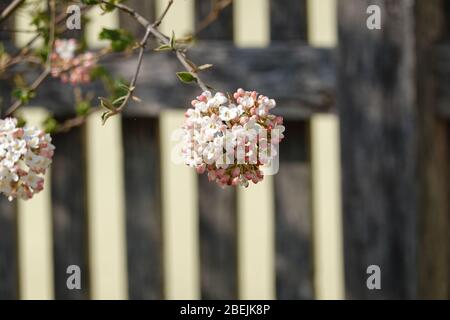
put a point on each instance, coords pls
(363, 176)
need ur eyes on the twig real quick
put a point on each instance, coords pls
(18, 103)
(10, 9)
(18, 56)
(218, 6)
(160, 19)
(132, 86)
(162, 38)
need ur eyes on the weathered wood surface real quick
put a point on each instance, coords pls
(288, 20)
(292, 184)
(433, 154)
(302, 79)
(217, 207)
(440, 57)
(377, 108)
(143, 208)
(293, 228)
(68, 185)
(8, 223)
(8, 250)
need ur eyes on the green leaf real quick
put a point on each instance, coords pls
(120, 39)
(164, 47)
(204, 67)
(186, 77)
(23, 94)
(21, 122)
(90, 2)
(50, 125)
(82, 108)
(105, 103)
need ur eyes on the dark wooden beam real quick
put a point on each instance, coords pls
(377, 108)
(301, 78)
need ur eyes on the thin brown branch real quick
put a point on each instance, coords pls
(36, 83)
(10, 9)
(18, 57)
(18, 103)
(160, 19)
(212, 16)
(163, 39)
(132, 86)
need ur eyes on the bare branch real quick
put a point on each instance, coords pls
(10, 9)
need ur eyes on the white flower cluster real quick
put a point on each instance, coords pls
(25, 154)
(231, 138)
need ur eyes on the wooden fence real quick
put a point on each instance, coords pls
(141, 227)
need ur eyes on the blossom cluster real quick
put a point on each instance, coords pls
(69, 67)
(231, 137)
(25, 154)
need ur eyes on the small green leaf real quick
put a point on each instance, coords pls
(120, 39)
(50, 125)
(172, 40)
(82, 108)
(164, 47)
(105, 103)
(204, 67)
(186, 77)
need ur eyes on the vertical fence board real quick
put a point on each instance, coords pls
(143, 213)
(294, 270)
(106, 218)
(179, 19)
(8, 249)
(292, 182)
(326, 204)
(217, 241)
(69, 212)
(36, 280)
(322, 31)
(377, 110)
(180, 215)
(433, 221)
(8, 226)
(254, 32)
(217, 207)
(288, 20)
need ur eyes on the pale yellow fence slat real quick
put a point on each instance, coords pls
(322, 23)
(256, 241)
(251, 23)
(35, 235)
(255, 204)
(180, 216)
(325, 165)
(106, 213)
(325, 159)
(23, 18)
(179, 19)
